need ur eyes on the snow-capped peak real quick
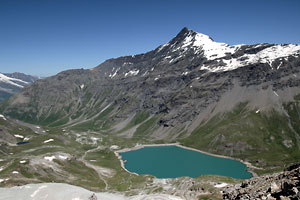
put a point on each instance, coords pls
(201, 43)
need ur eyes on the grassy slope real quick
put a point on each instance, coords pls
(256, 137)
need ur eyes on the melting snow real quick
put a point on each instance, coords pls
(114, 147)
(268, 55)
(162, 46)
(2, 116)
(50, 158)
(115, 73)
(132, 73)
(19, 136)
(63, 157)
(221, 185)
(50, 140)
(279, 65)
(2, 180)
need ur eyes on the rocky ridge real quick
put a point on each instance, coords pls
(284, 185)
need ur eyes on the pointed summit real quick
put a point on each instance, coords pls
(182, 35)
(187, 34)
(185, 30)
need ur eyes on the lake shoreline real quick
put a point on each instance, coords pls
(249, 166)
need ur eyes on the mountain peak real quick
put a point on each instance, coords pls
(185, 30)
(188, 33)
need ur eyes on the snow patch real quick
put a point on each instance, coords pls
(257, 111)
(279, 65)
(2, 116)
(221, 185)
(276, 93)
(114, 147)
(162, 47)
(132, 73)
(82, 86)
(116, 71)
(15, 172)
(63, 157)
(50, 140)
(19, 136)
(49, 158)
(23, 161)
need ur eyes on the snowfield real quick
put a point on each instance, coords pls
(61, 191)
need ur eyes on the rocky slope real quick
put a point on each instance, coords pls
(284, 185)
(13, 82)
(239, 100)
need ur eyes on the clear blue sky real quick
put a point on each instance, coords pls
(44, 37)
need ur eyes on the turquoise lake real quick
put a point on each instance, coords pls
(174, 161)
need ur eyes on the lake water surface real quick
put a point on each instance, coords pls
(173, 161)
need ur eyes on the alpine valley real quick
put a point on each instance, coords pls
(240, 101)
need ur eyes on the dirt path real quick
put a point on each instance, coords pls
(102, 172)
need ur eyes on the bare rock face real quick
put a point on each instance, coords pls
(285, 185)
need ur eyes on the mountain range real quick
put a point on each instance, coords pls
(11, 83)
(240, 100)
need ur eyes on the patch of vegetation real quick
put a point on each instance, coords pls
(264, 139)
(146, 127)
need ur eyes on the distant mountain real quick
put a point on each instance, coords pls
(240, 100)
(13, 82)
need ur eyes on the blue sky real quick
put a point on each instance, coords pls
(44, 37)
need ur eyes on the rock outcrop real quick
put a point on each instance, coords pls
(283, 186)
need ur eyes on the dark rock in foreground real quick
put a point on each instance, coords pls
(284, 185)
